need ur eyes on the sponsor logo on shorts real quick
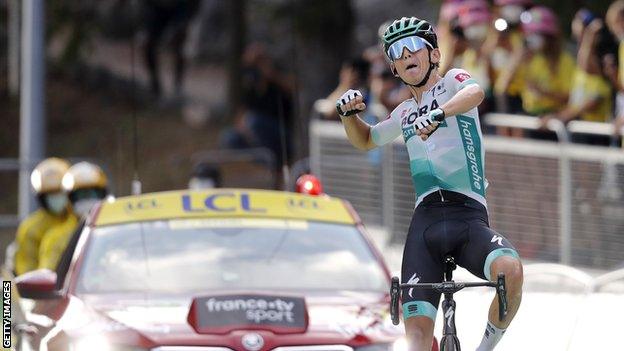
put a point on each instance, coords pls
(413, 280)
(497, 239)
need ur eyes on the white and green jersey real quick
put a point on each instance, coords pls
(452, 158)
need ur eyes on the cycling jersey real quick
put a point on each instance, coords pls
(452, 158)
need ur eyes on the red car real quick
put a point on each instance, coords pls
(215, 270)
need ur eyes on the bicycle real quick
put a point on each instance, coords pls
(448, 287)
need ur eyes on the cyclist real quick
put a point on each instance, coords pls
(440, 127)
(46, 181)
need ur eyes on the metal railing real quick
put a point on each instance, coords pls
(556, 201)
(563, 131)
(9, 165)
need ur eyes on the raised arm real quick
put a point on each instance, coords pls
(586, 58)
(361, 134)
(465, 100)
(358, 132)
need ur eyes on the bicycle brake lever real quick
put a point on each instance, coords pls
(501, 290)
(395, 293)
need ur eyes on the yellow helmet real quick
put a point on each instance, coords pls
(84, 175)
(47, 177)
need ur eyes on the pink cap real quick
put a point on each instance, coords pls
(540, 19)
(474, 12)
(448, 10)
(513, 2)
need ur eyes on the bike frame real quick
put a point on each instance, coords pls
(448, 287)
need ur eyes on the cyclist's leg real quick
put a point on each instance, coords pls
(419, 266)
(486, 254)
(419, 333)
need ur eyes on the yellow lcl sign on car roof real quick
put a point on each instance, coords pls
(220, 203)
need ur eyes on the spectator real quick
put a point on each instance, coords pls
(46, 180)
(205, 176)
(548, 67)
(266, 108)
(385, 89)
(446, 30)
(85, 185)
(474, 21)
(161, 15)
(454, 43)
(590, 98)
(503, 44)
(353, 75)
(615, 22)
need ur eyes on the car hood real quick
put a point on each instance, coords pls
(341, 317)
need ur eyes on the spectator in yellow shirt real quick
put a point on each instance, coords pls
(85, 185)
(46, 181)
(503, 45)
(590, 98)
(615, 22)
(547, 82)
(451, 39)
(469, 31)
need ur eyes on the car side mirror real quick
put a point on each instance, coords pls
(38, 284)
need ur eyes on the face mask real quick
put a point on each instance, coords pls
(535, 42)
(56, 203)
(476, 33)
(82, 207)
(201, 183)
(511, 13)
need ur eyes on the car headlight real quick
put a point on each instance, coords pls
(97, 342)
(398, 345)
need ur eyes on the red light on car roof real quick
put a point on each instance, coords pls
(309, 184)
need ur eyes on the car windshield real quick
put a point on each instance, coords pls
(181, 256)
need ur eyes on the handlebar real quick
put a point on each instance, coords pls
(395, 294)
(449, 287)
(501, 290)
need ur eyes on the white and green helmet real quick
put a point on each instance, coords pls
(414, 34)
(407, 27)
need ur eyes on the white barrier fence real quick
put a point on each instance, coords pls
(557, 202)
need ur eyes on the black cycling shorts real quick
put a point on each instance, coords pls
(457, 226)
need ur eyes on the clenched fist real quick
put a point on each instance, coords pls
(427, 124)
(350, 103)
